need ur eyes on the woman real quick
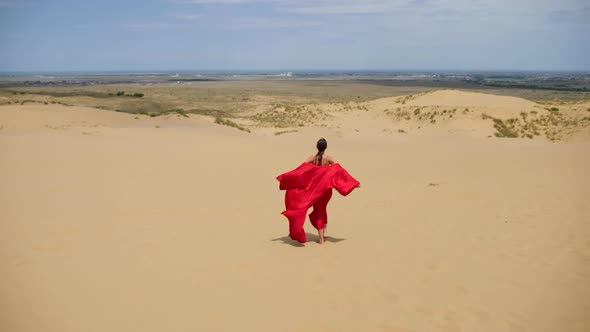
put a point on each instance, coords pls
(311, 185)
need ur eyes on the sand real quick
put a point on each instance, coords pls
(111, 223)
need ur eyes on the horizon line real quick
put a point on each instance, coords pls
(283, 70)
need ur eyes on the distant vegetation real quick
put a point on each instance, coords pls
(552, 87)
(57, 92)
(179, 111)
(123, 94)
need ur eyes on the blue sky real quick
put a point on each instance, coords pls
(44, 35)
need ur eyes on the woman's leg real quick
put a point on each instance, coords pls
(319, 215)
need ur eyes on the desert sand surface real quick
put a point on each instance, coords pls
(117, 222)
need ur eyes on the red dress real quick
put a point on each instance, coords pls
(310, 185)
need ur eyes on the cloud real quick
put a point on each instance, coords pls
(271, 23)
(14, 3)
(340, 9)
(216, 2)
(360, 17)
(152, 26)
(569, 16)
(351, 7)
(189, 17)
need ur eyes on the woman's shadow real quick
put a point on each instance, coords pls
(310, 238)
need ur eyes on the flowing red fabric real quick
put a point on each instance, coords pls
(310, 185)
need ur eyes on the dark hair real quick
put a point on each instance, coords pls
(321, 145)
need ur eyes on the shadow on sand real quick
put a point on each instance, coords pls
(310, 238)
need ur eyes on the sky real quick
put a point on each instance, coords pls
(291, 35)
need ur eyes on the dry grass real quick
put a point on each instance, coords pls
(288, 116)
(506, 128)
(554, 125)
(278, 133)
(230, 123)
(423, 115)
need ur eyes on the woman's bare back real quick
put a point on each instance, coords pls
(326, 160)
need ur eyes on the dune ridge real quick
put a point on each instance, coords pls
(441, 111)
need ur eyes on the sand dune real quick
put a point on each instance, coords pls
(112, 223)
(484, 115)
(470, 99)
